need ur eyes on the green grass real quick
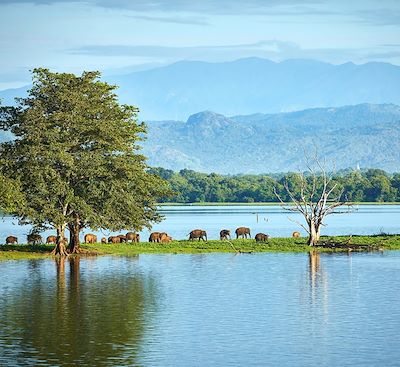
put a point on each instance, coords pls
(385, 242)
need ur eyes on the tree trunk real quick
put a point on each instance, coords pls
(60, 248)
(74, 230)
(313, 238)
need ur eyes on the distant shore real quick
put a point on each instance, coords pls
(279, 244)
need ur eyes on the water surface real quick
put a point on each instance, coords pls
(180, 220)
(202, 310)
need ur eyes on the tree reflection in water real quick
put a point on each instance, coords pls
(92, 318)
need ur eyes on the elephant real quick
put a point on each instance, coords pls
(90, 238)
(242, 232)
(34, 239)
(155, 237)
(122, 237)
(225, 234)
(11, 240)
(165, 238)
(132, 236)
(296, 234)
(51, 239)
(261, 237)
(114, 239)
(198, 233)
(103, 240)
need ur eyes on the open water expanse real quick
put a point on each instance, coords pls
(180, 220)
(202, 310)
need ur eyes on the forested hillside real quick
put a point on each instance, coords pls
(371, 185)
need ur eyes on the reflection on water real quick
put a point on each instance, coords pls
(202, 310)
(71, 318)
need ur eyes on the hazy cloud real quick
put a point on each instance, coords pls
(176, 19)
(276, 50)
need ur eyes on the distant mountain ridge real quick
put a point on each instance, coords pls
(252, 85)
(367, 135)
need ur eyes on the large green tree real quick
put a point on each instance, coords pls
(76, 155)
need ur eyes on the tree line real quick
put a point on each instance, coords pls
(371, 185)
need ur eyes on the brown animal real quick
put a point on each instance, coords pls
(225, 234)
(198, 233)
(131, 236)
(34, 239)
(122, 237)
(51, 239)
(296, 234)
(155, 237)
(104, 240)
(165, 238)
(261, 237)
(90, 238)
(11, 240)
(242, 232)
(114, 239)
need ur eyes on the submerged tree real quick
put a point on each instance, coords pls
(75, 153)
(318, 196)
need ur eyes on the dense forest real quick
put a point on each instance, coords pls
(372, 185)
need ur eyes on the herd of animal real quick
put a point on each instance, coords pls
(160, 237)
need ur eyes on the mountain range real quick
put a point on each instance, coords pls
(250, 85)
(365, 135)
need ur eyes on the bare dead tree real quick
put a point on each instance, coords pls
(319, 197)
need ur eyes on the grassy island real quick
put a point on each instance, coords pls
(280, 244)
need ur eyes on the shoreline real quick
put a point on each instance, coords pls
(274, 245)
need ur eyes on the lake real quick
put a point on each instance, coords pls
(202, 310)
(180, 220)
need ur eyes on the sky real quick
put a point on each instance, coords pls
(121, 36)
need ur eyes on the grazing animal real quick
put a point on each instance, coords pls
(11, 240)
(90, 238)
(103, 240)
(122, 237)
(165, 238)
(242, 232)
(155, 237)
(114, 239)
(296, 234)
(51, 239)
(225, 234)
(198, 233)
(34, 239)
(261, 237)
(133, 237)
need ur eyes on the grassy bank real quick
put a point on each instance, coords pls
(382, 242)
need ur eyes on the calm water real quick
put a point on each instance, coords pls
(202, 310)
(180, 220)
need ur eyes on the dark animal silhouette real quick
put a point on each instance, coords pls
(133, 237)
(198, 233)
(122, 237)
(114, 239)
(90, 238)
(11, 240)
(155, 237)
(261, 237)
(242, 232)
(51, 239)
(165, 238)
(296, 234)
(225, 234)
(104, 240)
(34, 239)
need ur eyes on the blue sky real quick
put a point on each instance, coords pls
(116, 36)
